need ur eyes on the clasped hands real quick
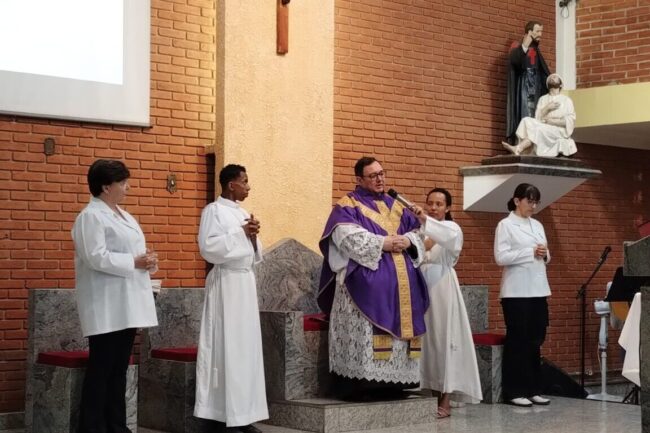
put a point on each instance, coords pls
(148, 260)
(396, 243)
(399, 243)
(541, 251)
(252, 227)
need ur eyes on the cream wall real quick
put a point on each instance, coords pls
(606, 105)
(275, 113)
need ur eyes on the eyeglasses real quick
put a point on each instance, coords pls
(374, 176)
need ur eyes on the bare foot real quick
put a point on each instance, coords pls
(510, 148)
(443, 412)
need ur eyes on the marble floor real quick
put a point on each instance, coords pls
(564, 415)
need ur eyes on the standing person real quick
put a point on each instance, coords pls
(372, 290)
(229, 368)
(549, 132)
(114, 295)
(527, 73)
(520, 247)
(448, 363)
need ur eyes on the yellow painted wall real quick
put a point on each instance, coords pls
(611, 105)
(275, 113)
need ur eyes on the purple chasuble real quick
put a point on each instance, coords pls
(394, 297)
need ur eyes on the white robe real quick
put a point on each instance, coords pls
(550, 140)
(448, 361)
(229, 369)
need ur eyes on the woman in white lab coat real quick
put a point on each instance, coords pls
(520, 246)
(448, 364)
(114, 295)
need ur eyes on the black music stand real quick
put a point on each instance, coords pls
(624, 288)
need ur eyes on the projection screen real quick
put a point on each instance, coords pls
(84, 60)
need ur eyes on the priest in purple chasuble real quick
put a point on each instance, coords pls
(371, 288)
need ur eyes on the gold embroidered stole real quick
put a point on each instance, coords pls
(390, 220)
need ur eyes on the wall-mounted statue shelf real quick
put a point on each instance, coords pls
(489, 186)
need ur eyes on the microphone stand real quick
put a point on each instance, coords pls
(582, 294)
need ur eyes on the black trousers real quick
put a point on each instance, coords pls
(103, 406)
(526, 321)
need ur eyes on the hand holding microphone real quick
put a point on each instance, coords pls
(399, 198)
(417, 210)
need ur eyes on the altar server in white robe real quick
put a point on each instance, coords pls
(230, 372)
(448, 363)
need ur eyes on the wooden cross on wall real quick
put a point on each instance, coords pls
(283, 26)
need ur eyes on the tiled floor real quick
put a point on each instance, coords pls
(564, 415)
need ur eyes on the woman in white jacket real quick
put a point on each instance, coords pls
(520, 246)
(114, 295)
(448, 363)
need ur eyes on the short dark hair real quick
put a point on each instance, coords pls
(105, 172)
(530, 25)
(524, 190)
(362, 163)
(447, 200)
(230, 173)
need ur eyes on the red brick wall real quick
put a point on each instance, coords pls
(612, 42)
(41, 195)
(421, 86)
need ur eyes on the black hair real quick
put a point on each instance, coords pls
(524, 190)
(105, 172)
(447, 200)
(362, 163)
(229, 173)
(530, 25)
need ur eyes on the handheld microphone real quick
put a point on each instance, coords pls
(407, 204)
(603, 256)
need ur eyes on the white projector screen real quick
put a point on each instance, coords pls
(82, 60)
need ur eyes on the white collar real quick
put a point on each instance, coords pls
(100, 204)
(518, 219)
(227, 202)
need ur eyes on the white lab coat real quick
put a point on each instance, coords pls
(448, 361)
(524, 276)
(111, 294)
(229, 369)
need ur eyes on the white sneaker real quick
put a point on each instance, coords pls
(521, 401)
(537, 399)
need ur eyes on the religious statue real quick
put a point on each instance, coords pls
(527, 73)
(549, 132)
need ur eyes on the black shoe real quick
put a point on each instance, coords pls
(221, 428)
(250, 428)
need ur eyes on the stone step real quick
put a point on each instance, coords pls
(329, 415)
